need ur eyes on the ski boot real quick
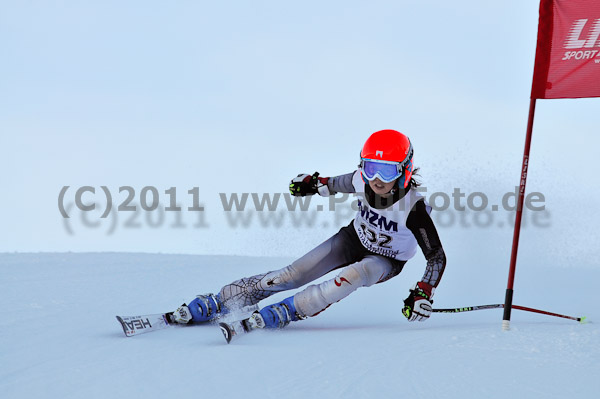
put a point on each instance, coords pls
(278, 315)
(209, 307)
(202, 309)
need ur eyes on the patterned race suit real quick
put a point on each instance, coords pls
(373, 248)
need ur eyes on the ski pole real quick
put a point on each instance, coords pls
(501, 305)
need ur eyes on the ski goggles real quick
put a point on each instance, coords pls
(386, 171)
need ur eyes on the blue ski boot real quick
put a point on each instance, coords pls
(209, 307)
(278, 315)
(202, 309)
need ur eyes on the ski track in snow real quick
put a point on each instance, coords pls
(59, 337)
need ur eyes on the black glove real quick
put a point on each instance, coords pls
(304, 184)
(417, 307)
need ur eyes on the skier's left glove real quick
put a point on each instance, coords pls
(417, 307)
(305, 184)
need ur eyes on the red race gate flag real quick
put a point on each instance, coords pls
(567, 59)
(567, 65)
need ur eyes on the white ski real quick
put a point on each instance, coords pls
(136, 325)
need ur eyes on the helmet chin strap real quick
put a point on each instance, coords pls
(396, 186)
(392, 191)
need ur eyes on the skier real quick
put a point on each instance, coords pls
(393, 218)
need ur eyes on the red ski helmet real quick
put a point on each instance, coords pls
(387, 155)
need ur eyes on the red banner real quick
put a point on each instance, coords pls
(567, 59)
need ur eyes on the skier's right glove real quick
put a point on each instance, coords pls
(417, 307)
(304, 184)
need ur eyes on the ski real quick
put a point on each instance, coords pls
(136, 325)
(235, 328)
(227, 330)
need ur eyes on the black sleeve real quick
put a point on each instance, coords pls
(421, 225)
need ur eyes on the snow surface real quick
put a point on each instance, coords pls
(59, 337)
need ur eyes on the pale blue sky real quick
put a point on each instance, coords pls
(241, 96)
